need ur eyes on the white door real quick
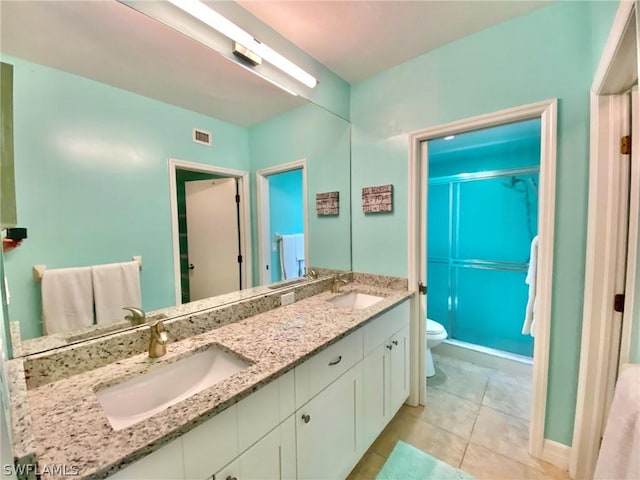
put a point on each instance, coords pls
(213, 238)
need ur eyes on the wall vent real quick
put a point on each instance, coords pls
(201, 136)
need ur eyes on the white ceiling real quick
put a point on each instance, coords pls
(113, 44)
(357, 39)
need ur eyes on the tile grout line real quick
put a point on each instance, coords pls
(475, 420)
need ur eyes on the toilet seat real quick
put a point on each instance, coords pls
(434, 328)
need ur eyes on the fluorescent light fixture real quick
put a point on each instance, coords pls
(449, 137)
(229, 29)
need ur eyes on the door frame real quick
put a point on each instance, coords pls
(418, 154)
(605, 270)
(263, 214)
(245, 217)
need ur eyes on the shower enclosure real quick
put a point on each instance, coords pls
(482, 217)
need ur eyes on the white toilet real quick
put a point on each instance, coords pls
(436, 333)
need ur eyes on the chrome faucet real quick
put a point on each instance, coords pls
(335, 288)
(137, 317)
(157, 340)
(311, 274)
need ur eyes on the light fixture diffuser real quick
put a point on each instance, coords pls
(229, 29)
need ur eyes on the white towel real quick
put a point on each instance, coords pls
(288, 259)
(67, 299)
(299, 239)
(115, 285)
(618, 457)
(528, 328)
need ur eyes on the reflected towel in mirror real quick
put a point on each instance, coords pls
(530, 313)
(299, 239)
(288, 259)
(67, 299)
(115, 285)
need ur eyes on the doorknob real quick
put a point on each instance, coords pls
(191, 266)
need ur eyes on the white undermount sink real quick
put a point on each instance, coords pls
(355, 300)
(141, 397)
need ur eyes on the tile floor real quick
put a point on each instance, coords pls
(476, 419)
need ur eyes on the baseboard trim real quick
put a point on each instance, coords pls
(556, 453)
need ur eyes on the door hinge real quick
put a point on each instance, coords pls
(618, 302)
(239, 258)
(625, 145)
(422, 288)
(237, 198)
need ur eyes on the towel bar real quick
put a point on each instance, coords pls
(38, 270)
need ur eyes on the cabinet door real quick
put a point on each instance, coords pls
(326, 429)
(211, 445)
(230, 472)
(399, 371)
(271, 458)
(163, 464)
(375, 388)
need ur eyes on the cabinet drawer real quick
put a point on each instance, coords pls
(385, 325)
(322, 369)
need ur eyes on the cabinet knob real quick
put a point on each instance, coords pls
(231, 478)
(395, 342)
(306, 418)
(389, 347)
(335, 362)
(191, 266)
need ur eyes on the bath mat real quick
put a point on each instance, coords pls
(409, 463)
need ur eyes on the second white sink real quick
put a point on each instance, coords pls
(141, 397)
(355, 300)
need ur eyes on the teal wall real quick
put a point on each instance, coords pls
(92, 180)
(601, 15)
(286, 216)
(324, 140)
(545, 54)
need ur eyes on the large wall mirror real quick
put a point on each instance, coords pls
(104, 97)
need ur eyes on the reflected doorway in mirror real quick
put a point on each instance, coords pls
(283, 221)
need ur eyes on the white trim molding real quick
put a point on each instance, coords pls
(245, 217)
(263, 214)
(602, 332)
(547, 112)
(556, 453)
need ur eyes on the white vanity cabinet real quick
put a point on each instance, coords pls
(314, 422)
(327, 429)
(163, 464)
(273, 457)
(385, 370)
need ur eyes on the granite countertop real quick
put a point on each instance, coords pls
(70, 427)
